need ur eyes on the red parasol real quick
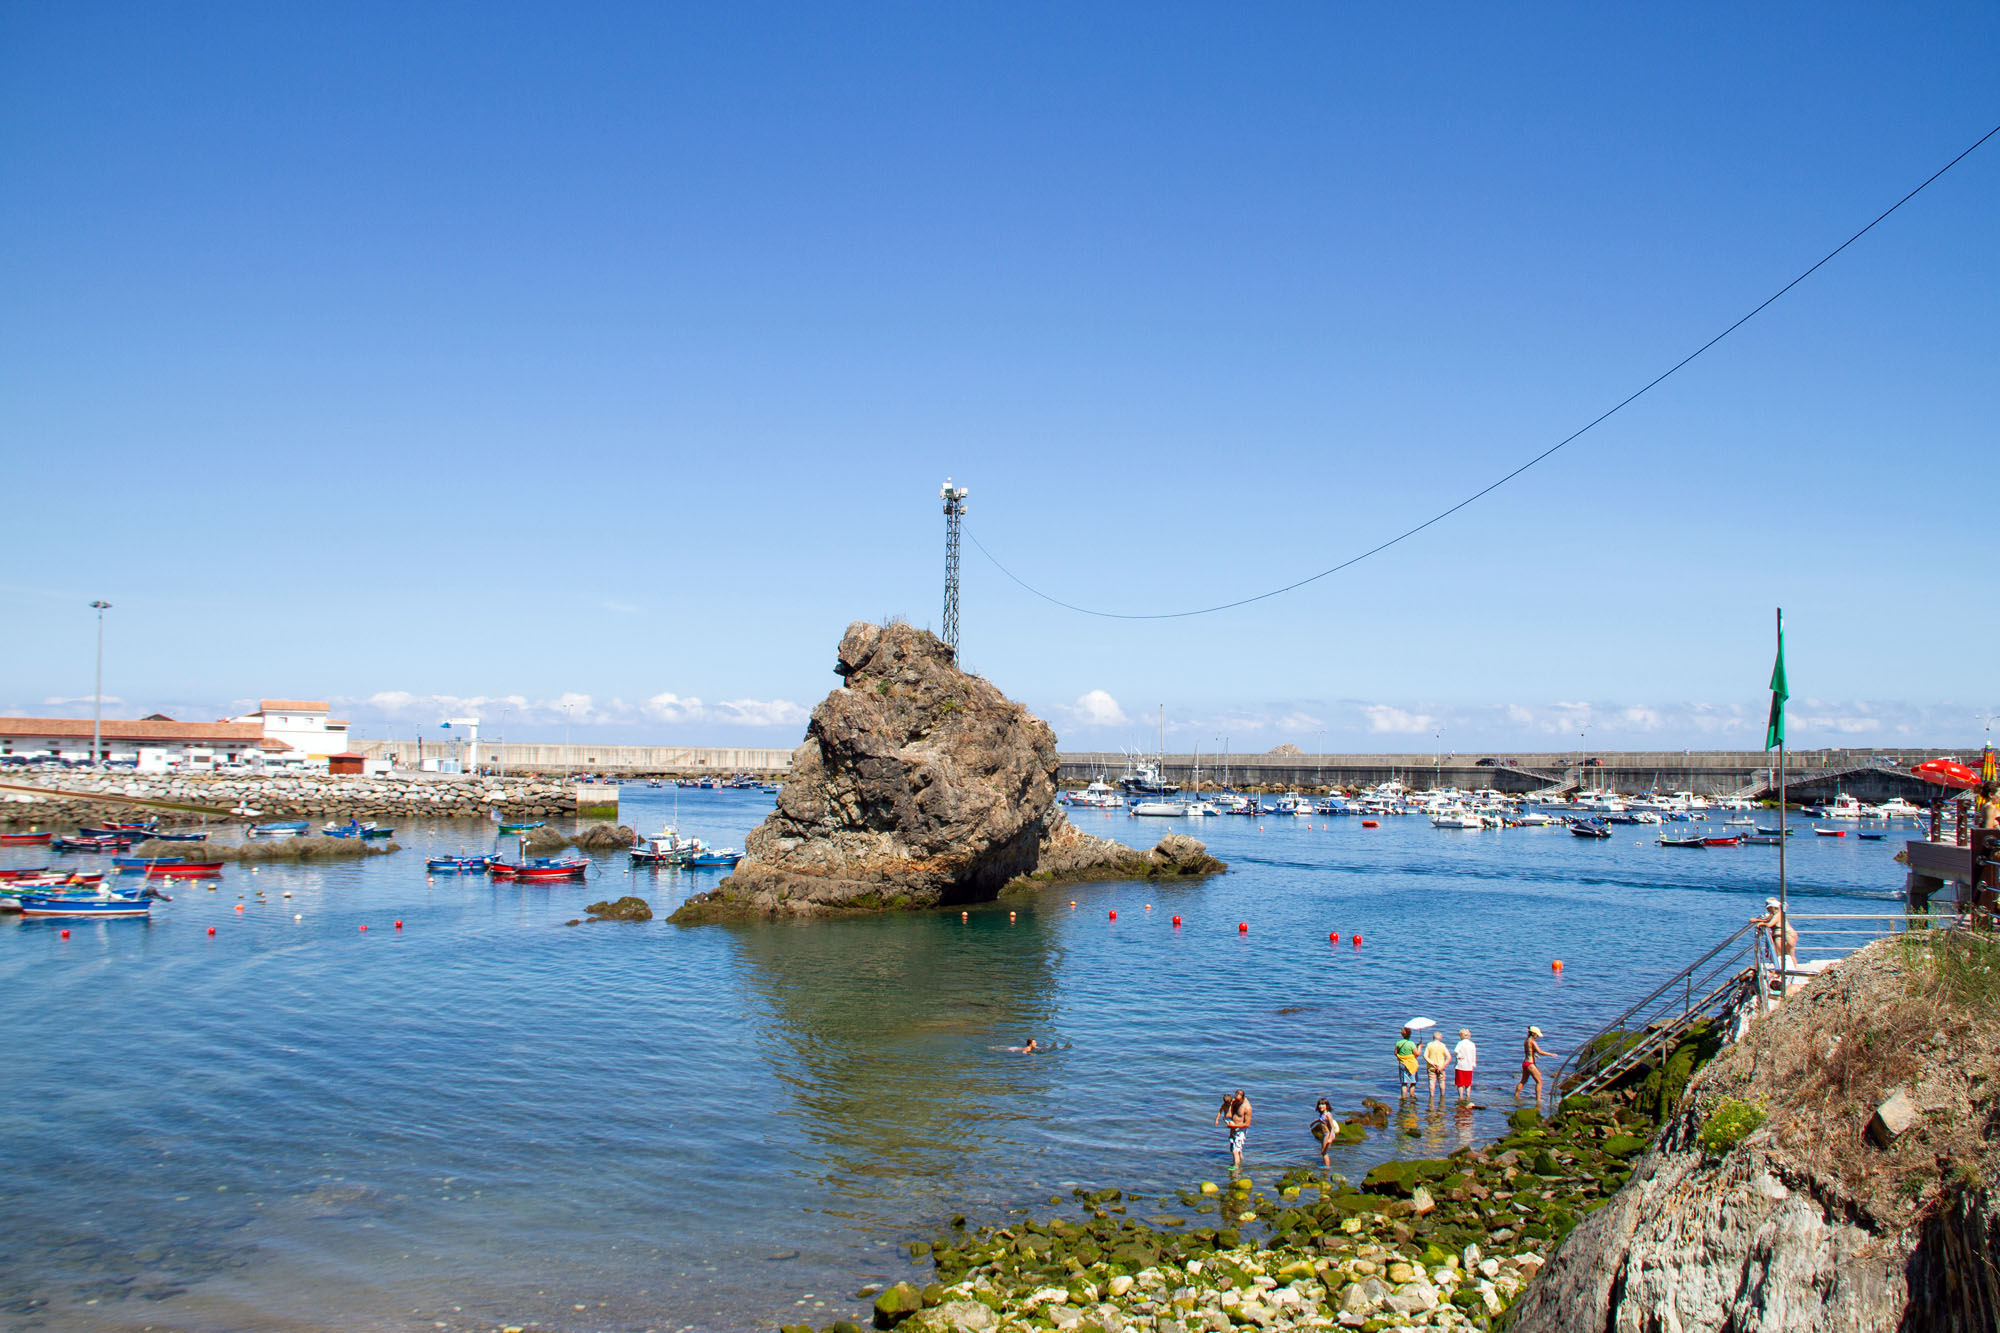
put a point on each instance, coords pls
(1946, 773)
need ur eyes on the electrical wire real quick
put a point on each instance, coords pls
(1488, 489)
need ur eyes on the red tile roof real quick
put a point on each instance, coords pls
(70, 728)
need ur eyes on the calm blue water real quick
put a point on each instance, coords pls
(487, 1117)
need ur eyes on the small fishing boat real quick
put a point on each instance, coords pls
(1829, 832)
(769, 789)
(1683, 840)
(287, 828)
(185, 870)
(354, 829)
(1160, 809)
(124, 831)
(713, 858)
(22, 872)
(1741, 821)
(1772, 833)
(554, 870)
(522, 828)
(666, 848)
(1871, 837)
(25, 839)
(77, 904)
(454, 865)
(1722, 842)
(138, 865)
(180, 837)
(1586, 829)
(97, 843)
(1762, 839)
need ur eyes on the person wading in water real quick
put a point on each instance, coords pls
(1234, 1115)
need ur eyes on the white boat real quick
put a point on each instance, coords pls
(1844, 807)
(1537, 819)
(1898, 808)
(1099, 795)
(1202, 809)
(1294, 804)
(1160, 808)
(1745, 822)
(1457, 817)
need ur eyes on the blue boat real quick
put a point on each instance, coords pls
(290, 828)
(125, 831)
(453, 865)
(718, 859)
(136, 865)
(180, 837)
(76, 904)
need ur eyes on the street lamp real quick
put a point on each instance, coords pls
(501, 746)
(1319, 765)
(566, 709)
(97, 718)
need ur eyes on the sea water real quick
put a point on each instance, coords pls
(488, 1116)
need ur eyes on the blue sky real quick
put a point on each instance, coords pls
(431, 357)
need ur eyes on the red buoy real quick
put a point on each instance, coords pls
(211, 930)
(65, 932)
(364, 927)
(1177, 921)
(1114, 915)
(1333, 936)
(1556, 966)
(1370, 823)
(1357, 941)
(399, 925)
(1242, 927)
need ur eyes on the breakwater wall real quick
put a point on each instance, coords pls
(641, 760)
(1868, 774)
(78, 798)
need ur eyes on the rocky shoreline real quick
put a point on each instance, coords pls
(179, 799)
(1445, 1243)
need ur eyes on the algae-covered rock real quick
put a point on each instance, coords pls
(627, 908)
(897, 1303)
(605, 838)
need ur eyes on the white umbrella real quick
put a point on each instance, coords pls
(1419, 1024)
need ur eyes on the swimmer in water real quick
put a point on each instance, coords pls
(1031, 1047)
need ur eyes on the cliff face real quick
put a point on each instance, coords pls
(917, 786)
(1769, 1203)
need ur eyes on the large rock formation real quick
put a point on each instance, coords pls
(1766, 1205)
(918, 786)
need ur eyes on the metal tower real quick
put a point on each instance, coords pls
(954, 510)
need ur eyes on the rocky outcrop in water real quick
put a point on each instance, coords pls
(918, 785)
(1766, 1204)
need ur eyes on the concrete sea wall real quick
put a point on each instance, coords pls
(74, 798)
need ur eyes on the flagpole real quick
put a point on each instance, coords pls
(1784, 903)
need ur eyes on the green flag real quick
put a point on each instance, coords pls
(1774, 730)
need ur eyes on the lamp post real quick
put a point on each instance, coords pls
(1437, 760)
(1319, 765)
(500, 747)
(566, 708)
(97, 717)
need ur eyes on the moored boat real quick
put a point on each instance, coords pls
(713, 858)
(1722, 842)
(522, 827)
(25, 839)
(452, 865)
(1586, 829)
(100, 904)
(1682, 840)
(185, 870)
(1830, 832)
(180, 837)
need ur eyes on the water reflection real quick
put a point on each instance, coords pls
(891, 1036)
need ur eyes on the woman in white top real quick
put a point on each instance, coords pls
(1466, 1055)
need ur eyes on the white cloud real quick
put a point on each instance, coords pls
(1098, 709)
(1299, 722)
(760, 712)
(1641, 718)
(1388, 719)
(77, 701)
(672, 708)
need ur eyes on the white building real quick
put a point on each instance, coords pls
(153, 744)
(305, 734)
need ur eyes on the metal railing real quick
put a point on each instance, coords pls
(1734, 976)
(1724, 979)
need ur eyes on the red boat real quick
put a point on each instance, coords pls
(185, 870)
(25, 839)
(24, 872)
(553, 870)
(1722, 842)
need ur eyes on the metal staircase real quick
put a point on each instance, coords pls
(1729, 979)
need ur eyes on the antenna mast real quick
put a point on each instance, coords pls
(954, 510)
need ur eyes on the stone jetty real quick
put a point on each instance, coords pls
(74, 798)
(918, 785)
